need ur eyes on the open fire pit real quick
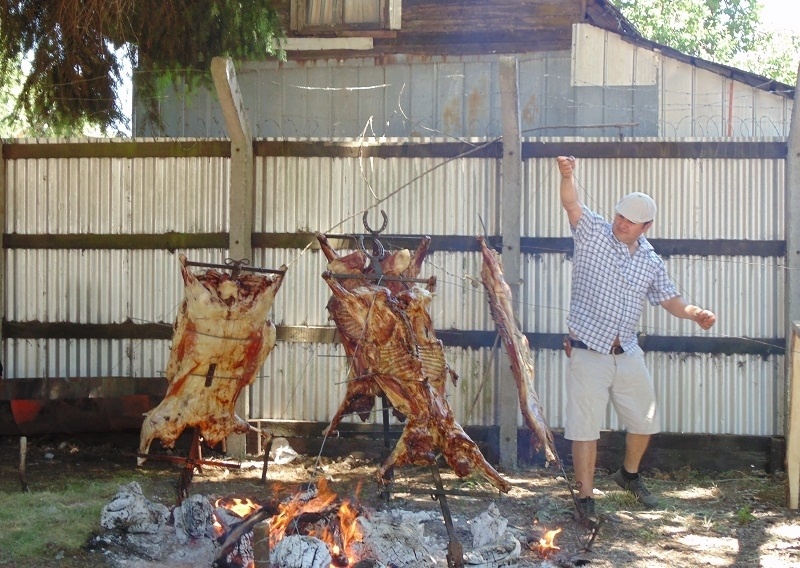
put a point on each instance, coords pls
(310, 526)
(381, 311)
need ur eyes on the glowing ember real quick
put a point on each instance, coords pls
(241, 507)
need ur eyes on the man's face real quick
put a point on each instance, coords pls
(628, 232)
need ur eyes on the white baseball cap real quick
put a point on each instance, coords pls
(637, 207)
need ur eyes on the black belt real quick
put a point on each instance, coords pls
(577, 343)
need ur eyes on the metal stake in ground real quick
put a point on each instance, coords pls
(455, 552)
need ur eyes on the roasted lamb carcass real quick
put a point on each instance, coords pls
(221, 338)
(389, 353)
(518, 350)
(361, 386)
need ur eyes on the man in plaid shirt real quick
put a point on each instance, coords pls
(615, 269)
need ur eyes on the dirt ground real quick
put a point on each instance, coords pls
(705, 519)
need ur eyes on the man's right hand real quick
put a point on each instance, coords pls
(568, 191)
(566, 165)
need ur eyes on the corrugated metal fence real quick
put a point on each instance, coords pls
(91, 280)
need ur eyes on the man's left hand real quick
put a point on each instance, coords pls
(705, 319)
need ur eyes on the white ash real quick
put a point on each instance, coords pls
(194, 518)
(504, 552)
(394, 543)
(141, 535)
(131, 512)
(297, 551)
(489, 527)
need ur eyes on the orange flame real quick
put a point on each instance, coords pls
(241, 507)
(547, 545)
(338, 538)
(338, 541)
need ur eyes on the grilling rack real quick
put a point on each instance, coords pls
(377, 255)
(195, 461)
(236, 266)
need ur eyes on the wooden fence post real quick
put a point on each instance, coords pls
(510, 216)
(241, 208)
(792, 303)
(793, 435)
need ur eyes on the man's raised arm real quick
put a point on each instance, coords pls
(569, 193)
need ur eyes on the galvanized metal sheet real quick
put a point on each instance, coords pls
(738, 394)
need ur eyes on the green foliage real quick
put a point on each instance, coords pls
(711, 29)
(745, 515)
(724, 31)
(76, 50)
(11, 125)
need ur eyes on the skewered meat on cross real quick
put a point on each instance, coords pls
(399, 266)
(222, 337)
(361, 388)
(518, 350)
(388, 352)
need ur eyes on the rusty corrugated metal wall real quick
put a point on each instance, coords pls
(104, 196)
(605, 86)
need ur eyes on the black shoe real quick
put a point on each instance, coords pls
(636, 486)
(585, 511)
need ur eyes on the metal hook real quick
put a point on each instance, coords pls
(375, 258)
(369, 229)
(236, 265)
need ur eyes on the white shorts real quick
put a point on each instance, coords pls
(593, 379)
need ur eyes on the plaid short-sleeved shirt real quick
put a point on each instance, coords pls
(609, 285)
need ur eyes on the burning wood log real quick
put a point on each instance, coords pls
(236, 543)
(222, 337)
(518, 350)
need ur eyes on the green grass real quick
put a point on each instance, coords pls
(42, 523)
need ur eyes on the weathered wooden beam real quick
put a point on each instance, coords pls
(241, 202)
(78, 388)
(793, 430)
(112, 149)
(792, 303)
(130, 241)
(665, 150)
(510, 224)
(468, 339)
(322, 149)
(3, 194)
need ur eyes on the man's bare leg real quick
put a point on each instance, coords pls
(635, 446)
(584, 458)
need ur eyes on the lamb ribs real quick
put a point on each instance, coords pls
(388, 335)
(221, 338)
